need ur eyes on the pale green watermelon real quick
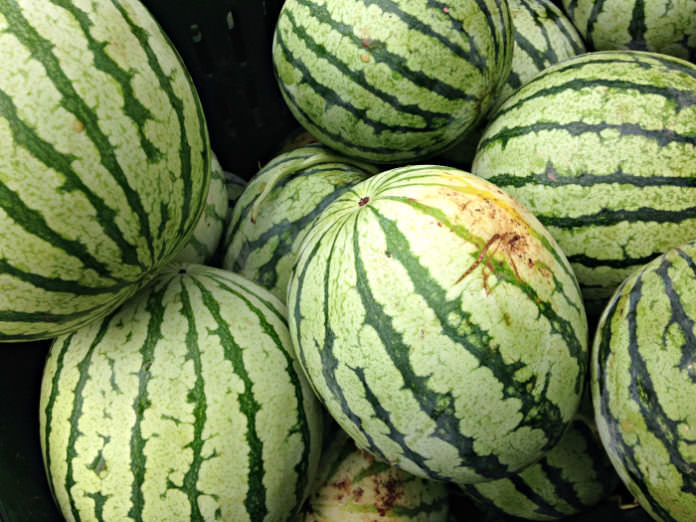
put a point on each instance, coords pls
(185, 404)
(440, 324)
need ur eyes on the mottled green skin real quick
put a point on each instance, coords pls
(391, 81)
(643, 384)
(104, 160)
(440, 324)
(542, 36)
(662, 26)
(602, 148)
(266, 230)
(571, 478)
(185, 404)
(353, 486)
(208, 232)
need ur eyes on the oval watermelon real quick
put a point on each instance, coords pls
(185, 404)
(440, 324)
(642, 377)
(104, 163)
(391, 81)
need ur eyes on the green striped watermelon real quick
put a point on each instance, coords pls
(353, 486)
(602, 149)
(642, 379)
(440, 324)
(574, 476)
(185, 404)
(278, 206)
(206, 237)
(395, 80)
(104, 165)
(542, 36)
(663, 26)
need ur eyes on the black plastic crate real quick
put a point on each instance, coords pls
(226, 46)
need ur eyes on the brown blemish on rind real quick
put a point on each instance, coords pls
(363, 201)
(492, 214)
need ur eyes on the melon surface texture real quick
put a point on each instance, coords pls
(602, 149)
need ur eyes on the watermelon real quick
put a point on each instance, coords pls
(352, 486)
(395, 81)
(642, 378)
(205, 240)
(542, 36)
(602, 149)
(105, 165)
(440, 324)
(662, 26)
(574, 476)
(278, 206)
(184, 404)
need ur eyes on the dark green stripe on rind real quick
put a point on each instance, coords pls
(255, 499)
(637, 28)
(42, 50)
(197, 397)
(608, 217)
(552, 177)
(141, 402)
(662, 136)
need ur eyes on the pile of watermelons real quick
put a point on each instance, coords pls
(454, 279)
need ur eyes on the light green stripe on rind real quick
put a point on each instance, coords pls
(609, 130)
